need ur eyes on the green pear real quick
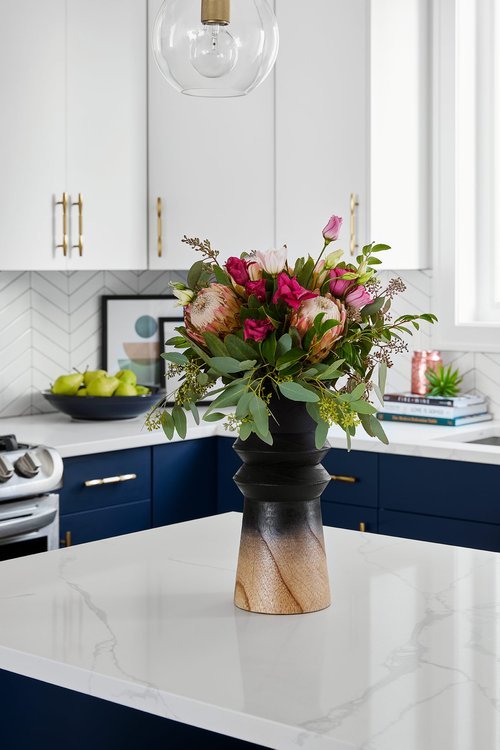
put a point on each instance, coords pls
(125, 389)
(104, 385)
(142, 390)
(82, 392)
(127, 376)
(91, 375)
(67, 385)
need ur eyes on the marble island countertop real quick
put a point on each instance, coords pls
(406, 658)
(73, 438)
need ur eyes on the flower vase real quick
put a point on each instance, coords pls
(282, 563)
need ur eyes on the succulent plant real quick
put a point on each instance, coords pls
(443, 381)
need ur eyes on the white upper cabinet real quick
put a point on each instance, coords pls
(211, 170)
(32, 133)
(107, 146)
(73, 83)
(321, 121)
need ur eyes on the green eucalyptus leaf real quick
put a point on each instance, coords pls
(292, 356)
(284, 345)
(229, 365)
(313, 411)
(214, 416)
(373, 307)
(379, 248)
(221, 276)
(180, 421)
(258, 410)
(378, 430)
(216, 346)
(202, 378)
(175, 357)
(194, 274)
(382, 377)
(239, 349)
(168, 424)
(242, 407)
(362, 407)
(194, 411)
(268, 348)
(296, 392)
(320, 434)
(246, 430)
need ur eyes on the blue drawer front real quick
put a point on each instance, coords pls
(349, 516)
(75, 497)
(429, 486)
(228, 462)
(358, 465)
(443, 530)
(92, 525)
(184, 481)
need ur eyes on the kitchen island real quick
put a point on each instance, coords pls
(406, 658)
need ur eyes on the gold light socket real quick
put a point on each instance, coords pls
(215, 12)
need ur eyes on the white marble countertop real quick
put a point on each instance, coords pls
(406, 658)
(72, 438)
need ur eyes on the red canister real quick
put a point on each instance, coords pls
(420, 363)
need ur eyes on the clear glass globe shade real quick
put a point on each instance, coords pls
(246, 48)
(213, 51)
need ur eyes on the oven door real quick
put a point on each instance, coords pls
(29, 526)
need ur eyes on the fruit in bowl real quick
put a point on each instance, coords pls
(96, 394)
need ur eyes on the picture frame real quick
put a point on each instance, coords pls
(131, 338)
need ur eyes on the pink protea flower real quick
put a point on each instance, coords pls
(303, 320)
(291, 292)
(332, 229)
(358, 297)
(257, 330)
(215, 309)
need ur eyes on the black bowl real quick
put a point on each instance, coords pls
(101, 408)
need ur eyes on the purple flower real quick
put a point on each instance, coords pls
(332, 229)
(358, 297)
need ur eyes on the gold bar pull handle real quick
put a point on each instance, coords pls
(64, 203)
(67, 541)
(353, 206)
(159, 226)
(79, 203)
(110, 480)
(341, 478)
(362, 526)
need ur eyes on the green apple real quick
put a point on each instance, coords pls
(82, 392)
(67, 385)
(125, 389)
(90, 375)
(104, 385)
(142, 390)
(127, 376)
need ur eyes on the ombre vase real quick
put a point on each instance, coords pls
(282, 566)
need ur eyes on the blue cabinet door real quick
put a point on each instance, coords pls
(443, 530)
(102, 523)
(184, 481)
(228, 462)
(349, 517)
(354, 477)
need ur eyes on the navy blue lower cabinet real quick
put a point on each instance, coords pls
(102, 523)
(184, 481)
(349, 517)
(443, 530)
(354, 477)
(228, 462)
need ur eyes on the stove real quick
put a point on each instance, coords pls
(29, 503)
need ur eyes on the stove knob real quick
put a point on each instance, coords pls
(6, 469)
(28, 465)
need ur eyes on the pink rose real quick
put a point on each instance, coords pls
(257, 330)
(338, 287)
(358, 297)
(332, 229)
(257, 288)
(238, 270)
(290, 291)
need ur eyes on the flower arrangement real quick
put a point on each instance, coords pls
(313, 331)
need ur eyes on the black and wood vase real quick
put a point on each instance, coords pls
(282, 563)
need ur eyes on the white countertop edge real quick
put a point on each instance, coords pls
(161, 703)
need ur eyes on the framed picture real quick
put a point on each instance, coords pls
(131, 337)
(167, 331)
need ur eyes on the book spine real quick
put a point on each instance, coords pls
(423, 400)
(440, 421)
(421, 410)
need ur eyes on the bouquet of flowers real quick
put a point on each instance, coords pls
(313, 331)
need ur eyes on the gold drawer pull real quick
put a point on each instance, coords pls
(64, 203)
(362, 526)
(67, 541)
(79, 203)
(110, 480)
(340, 478)
(159, 226)
(354, 203)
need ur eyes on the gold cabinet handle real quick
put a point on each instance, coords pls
(341, 478)
(67, 541)
(110, 480)
(79, 203)
(354, 205)
(64, 203)
(159, 226)
(362, 526)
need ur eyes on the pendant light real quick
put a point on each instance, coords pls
(216, 48)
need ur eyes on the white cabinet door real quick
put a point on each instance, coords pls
(321, 120)
(107, 164)
(32, 133)
(211, 162)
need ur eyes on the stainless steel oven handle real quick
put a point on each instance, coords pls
(17, 526)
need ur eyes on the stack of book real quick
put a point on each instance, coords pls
(452, 412)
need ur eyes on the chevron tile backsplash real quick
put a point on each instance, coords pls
(50, 323)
